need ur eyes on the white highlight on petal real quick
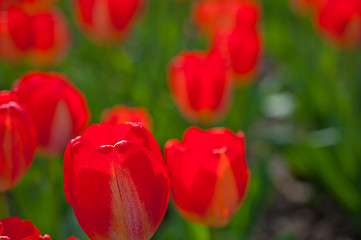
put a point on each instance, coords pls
(61, 129)
(130, 219)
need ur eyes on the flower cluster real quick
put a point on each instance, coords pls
(201, 82)
(37, 33)
(44, 111)
(114, 174)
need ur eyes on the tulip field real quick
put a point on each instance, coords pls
(180, 119)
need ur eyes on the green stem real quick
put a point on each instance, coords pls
(212, 233)
(51, 165)
(3, 206)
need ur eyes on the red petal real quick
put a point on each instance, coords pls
(16, 229)
(20, 28)
(122, 12)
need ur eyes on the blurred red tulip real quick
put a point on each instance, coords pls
(117, 182)
(58, 109)
(51, 38)
(201, 85)
(209, 174)
(211, 15)
(31, 6)
(123, 114)
(106, 21)
(73, 238)
(18, 141)
(14, 228)
(41, 38)
(15, 32)
(305, 6)
(243, 48)
(340, 22)
(233, 28)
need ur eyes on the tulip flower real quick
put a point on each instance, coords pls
(305, 6)
(30, 6)
(73, 238)
(233, 28)
(201, 85)
(208, 173)
(51, 38)
(243, 48)
(14, 228)
(58, 109)
(123, 114)
(116, 180)
(18, 141)
(211, 15)
(40, 38)
(340, 22)
(106, 21)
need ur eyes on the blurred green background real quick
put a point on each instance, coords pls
(301, 118)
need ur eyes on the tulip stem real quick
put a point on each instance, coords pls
(3, 206)
(52, 165)
(212, 233)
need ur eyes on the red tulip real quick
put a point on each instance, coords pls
(17, 141)
(209, 174)
(201, 85)
(233, 27)
(30, 6)
(14, 228)
(106, 21)
(15, 27)
(123, 114)
(73, 238)
(51, 37)
(340, 22)
(243, 48)
(305, 6)
(117, 182)
(41, 38)
(58, 109)
(212, 15)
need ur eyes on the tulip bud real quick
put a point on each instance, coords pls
(201, 85)
(51, 38)
(123, 114)
(14, 228)
(243, 48)
(72, 238)
(18, 141)
(42, 38)
(212, 15)
(30, 6)
(305, 6)
(33, 6)
(58, 109)
(340, 22)
(116, 180)
(233, 28)
(106, 21)
(208, 173)
(15, 29)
